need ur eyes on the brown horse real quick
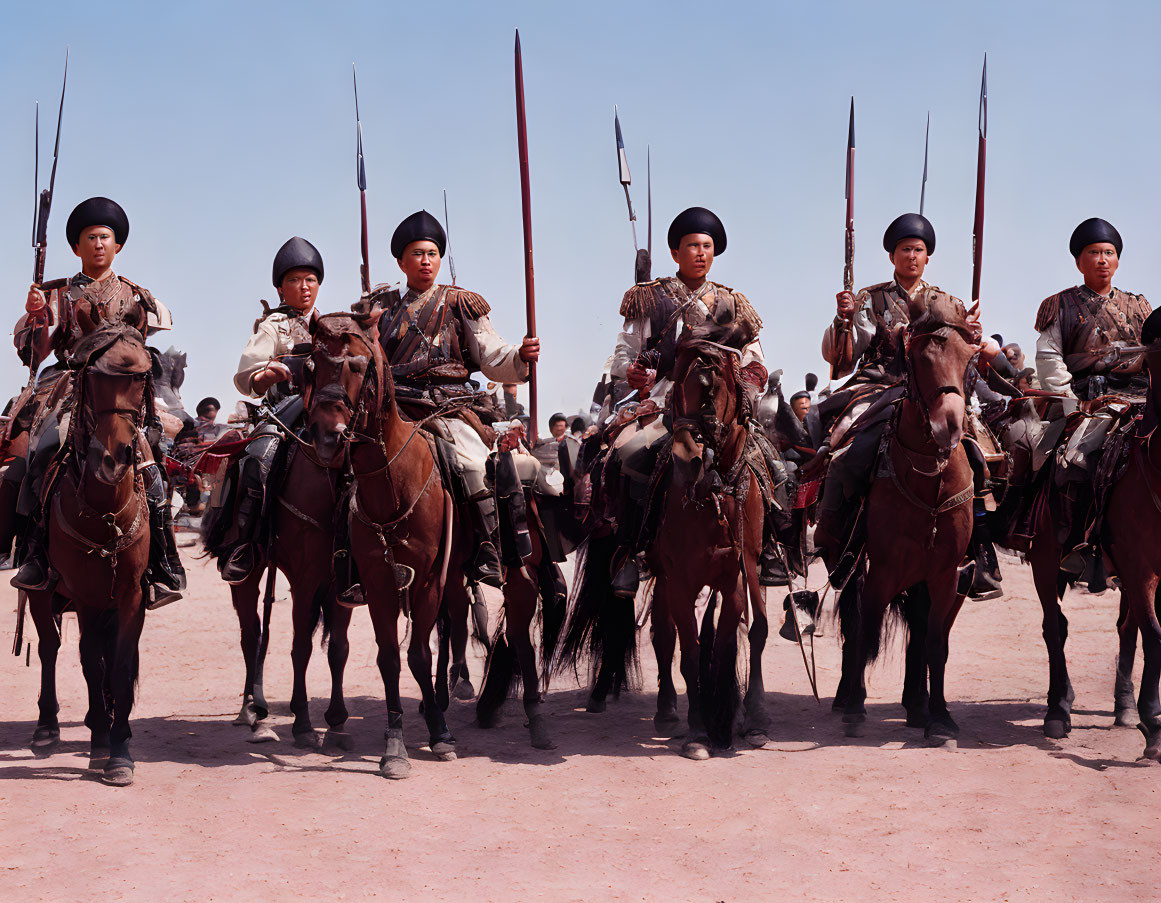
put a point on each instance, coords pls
(98, 545)
(919, 516)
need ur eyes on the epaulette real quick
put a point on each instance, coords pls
(641, 299)
(743, 309)
(146, 296)
(1046, 315)
(474, 305)
(1139, 300)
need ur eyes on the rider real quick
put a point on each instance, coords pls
(297, 274)
(435, 336)
(655, 313)
(865, 338)
(58, 314)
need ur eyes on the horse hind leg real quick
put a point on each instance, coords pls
(1045, 574)
(98, 718)
(424, 613)
(681, 602)
(47, 732)
(941, 728)
(520, 596)
(122, 641)
(721, 694)
(756, 724)
(872, 606)
(848, 612)
(245, 601)
(1124, 703)
(1149, 701)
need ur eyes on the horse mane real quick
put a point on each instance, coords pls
(942, 312)
(113, 349)
(339, 324)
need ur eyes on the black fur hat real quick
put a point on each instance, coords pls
(698, 220)
(97, 212)
(909, 225)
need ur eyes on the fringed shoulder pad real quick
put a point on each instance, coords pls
(1140, 305)
(472, 304)
(743, 309)
(1049, 309)
(642, 299)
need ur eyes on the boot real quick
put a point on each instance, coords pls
(34, 573)
(986, 582)
(771, 569)
(164, 570)
(247, 554)
(484, 566)
(350, 587)
(627, 579)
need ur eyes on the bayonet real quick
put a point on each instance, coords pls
(849, 265)
(44, 203)
(923, 187)
(361, 182)
(447, 231)
(981, 166)
(526, 211)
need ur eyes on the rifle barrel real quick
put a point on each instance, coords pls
(981, 168)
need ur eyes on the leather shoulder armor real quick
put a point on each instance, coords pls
(642, 299)
(469, 302)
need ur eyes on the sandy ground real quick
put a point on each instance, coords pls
(612, 813)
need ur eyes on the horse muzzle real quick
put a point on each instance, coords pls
(946, 417)
(105, 466)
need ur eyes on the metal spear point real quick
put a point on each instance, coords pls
(981, 167)
(451, 263)
(623, 174)
(361, 183)
(923, 187)
(849, 264)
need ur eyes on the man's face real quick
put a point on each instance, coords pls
(558, 428)
(1015, 356)
(209, 413)
(299, 288)
(1098, 262)
(694, 255)
(800, 407)
(97, 248)
(420, 264)
(910, 258)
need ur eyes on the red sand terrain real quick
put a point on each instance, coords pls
(612, 813)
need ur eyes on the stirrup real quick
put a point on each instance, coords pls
(160, 596)
(34, 580)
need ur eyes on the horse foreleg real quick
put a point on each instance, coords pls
(520, 595)
(916, 612)
(424, 611)
(848, 612)
(336, 739)
(664, 636)
(1124, 704)
(681, 607)
(941, 728)
(1045, 571)
(123, 638)
(873, 602)
(98, 718)
(307, 610)
(757, 721)
(245, 601)
(459, 613)
(443, 661)
(47, 733)
(1143, 605)
(721, 695)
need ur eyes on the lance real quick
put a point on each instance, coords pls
(526, 210)
(923, 187)
(624, 176)
(649, 203)
(361, 182)
(447, 231)
(981, 166)
(44, 200)
(849, 264)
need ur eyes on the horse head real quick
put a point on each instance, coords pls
(109, 406)
(708, 399)
(940, 346)
(343, 381)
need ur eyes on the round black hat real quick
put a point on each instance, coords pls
(97, 212)
(909, 225)
(698, 220)
(205, 402)
(420, 226)
(1092, 231)
(296, 252)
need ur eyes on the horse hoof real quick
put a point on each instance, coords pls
(44, 738)
(695, 750)
(595, 706)
(464, 690)
(98, 758)
(337, 742)
(1055, 729)
(444, 751)
(1125, 718)
(538, 730)
(395, 767)
(118, 773)
(854, 728)
(757, 739)
(916, 719)
(307, 740)
(666, 724)
(262, 733)
(246, 717)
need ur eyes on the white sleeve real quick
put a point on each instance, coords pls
(499, 360)
(630, 340)
(863, 329)
(1054, 375)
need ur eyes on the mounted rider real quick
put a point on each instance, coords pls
(866, 339)
(655, 313)
(1085, 353)
(58, 315)
(435, 337)
(297, 274)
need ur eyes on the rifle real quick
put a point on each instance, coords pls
(844, 338)
(981, 166)
(526, 211)
(361, 181)
(447, 231)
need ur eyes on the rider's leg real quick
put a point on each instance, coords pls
(471, 458)
(848, 480)
(34, 571)
(164, 570)
(986, 583)
(636, 453)
(253, 474)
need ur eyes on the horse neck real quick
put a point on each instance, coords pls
(105, 498)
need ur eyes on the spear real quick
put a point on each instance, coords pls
(44, 203)
(361, 182)
(624, 176)
(649, 202)
(981, 166)
(447, 231)
(526, 210)
(849, 265)
(923, 187)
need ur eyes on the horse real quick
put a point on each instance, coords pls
(98, 544)
(919, 520)
(168, 384)
(709, 534)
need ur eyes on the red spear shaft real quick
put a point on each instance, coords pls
(526, 210)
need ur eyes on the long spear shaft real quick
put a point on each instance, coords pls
(981, 166)
(451, 263)
(649, 201)
(361, 182)
(923, 187)
(526, 210)
(40, 222)
(849, 265)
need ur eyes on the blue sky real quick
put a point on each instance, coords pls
(224, 128)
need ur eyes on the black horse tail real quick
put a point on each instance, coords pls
(601, 628)
(553, 610)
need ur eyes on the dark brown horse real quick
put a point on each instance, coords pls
(919, 517)
(98, 544)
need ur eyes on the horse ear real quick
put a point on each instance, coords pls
(312, 324)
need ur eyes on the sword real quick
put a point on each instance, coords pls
(361, 182)
(923, 187)
(447, 231)
(981, 166)
(526, 211)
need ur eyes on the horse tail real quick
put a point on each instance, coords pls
(322, 612)
(553, 610)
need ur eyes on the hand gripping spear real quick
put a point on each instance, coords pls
(981, 166)
(361, 181)
(526, 210)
